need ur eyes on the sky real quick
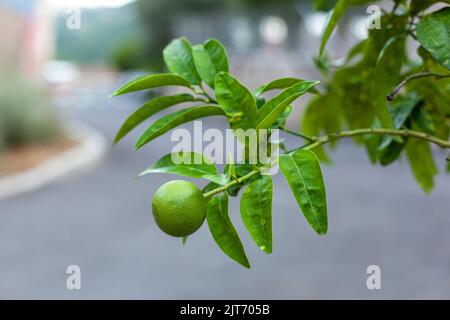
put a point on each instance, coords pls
(89, 3)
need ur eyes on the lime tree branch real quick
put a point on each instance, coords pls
(297, 134)
(319, 141)
(391, 97)
(232, 183)
(377, 131)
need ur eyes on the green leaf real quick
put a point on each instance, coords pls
(281, 83)
(270, 111)
(210, 58)
(282, 118)
(175, 119)
(401, 111)
(334, 17)
(387, 73)
(324, 5)
(241, 170)
(256, 212)
(302, 171)
(230, 169)
(259, 101)
(422, 163)
(178, 58)
(218, 179)
(223, 231)
(356, 50)
(236, 100)
(152, 81)
(433, 33)
(147, 110)
(188, 164)
(419, 5)
(322, 116)
(391, 153)
(229, 173)
(424, 121)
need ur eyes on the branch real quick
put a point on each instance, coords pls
(381, 132)
(298, 134)
(318, 141)
(415, 76)
(232, 183)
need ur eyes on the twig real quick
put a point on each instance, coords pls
(298, 134)
(378, 131)
(391, 97)
(318, 141)
(230, 184)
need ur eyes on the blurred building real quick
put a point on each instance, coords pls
(27, 37)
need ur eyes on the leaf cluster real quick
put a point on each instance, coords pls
(203, 70)
(390, 103)
(375, 68)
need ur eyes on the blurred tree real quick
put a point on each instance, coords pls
(157, 17)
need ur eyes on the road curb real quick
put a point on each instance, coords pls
(91, 149)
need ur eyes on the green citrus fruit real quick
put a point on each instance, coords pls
(179, 208)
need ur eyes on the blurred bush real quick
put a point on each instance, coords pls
(129, 55)
(26, 115)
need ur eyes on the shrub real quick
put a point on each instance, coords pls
(26, 115)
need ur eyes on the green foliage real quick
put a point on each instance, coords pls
(178, 58)
(99, 40)
(152, 81)
(223, 230)
(302, 171)
(256, 212)
(272, 109)
(389, 104)
(128, 55)
(210, 58)
(26, 115)
(422, 163)
(236, 100)
(335, 15)
(374, 68)
(175, 119)
(188, 164)
(148, 109)
(433, 33)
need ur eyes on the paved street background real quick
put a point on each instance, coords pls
(100, 219)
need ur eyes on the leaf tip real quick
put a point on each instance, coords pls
(321, 230)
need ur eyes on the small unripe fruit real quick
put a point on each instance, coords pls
(179, 208)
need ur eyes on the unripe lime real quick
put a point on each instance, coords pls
(179, 208)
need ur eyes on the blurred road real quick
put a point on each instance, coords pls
(100, 219)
